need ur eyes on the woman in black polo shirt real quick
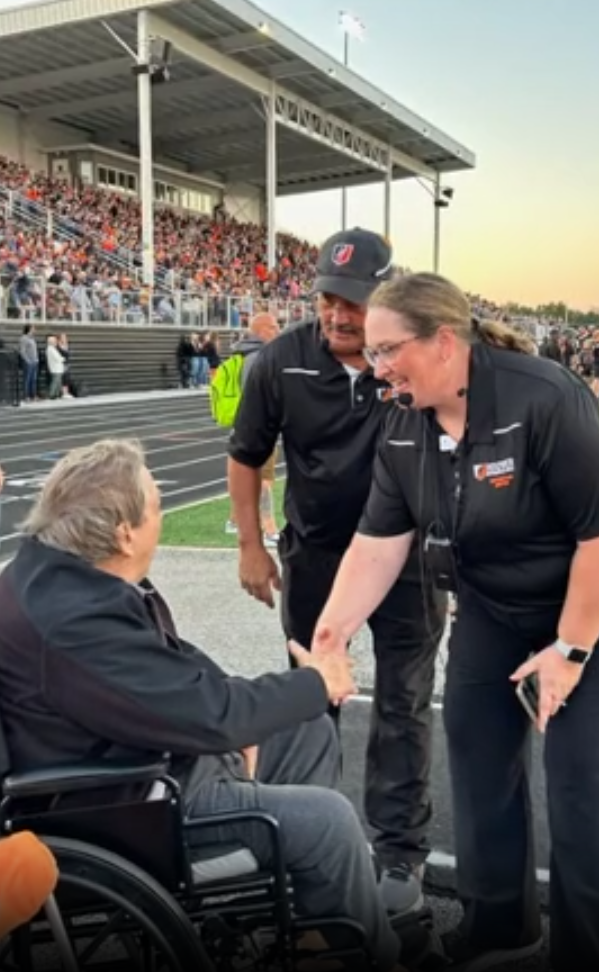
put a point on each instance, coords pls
(493, 455)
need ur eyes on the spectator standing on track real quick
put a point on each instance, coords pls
(29, 355)
(313, 387)
(69, 385)
(211, 350)
(494, 459)
(56, 367)
(185, 352)
(198, 364)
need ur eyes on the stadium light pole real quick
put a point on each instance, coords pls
(351, 27)
(146, 165)
(387, 198)
(441, 196)
(437, 227)
(271, 176)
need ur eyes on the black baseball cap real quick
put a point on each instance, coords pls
(352, 264)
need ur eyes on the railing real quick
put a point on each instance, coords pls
(29, 212)
(34, 299)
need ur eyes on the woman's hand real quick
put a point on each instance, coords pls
(557, 679)
(328, 639)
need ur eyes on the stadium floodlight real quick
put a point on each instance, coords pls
(351, 26)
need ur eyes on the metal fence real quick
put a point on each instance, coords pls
(30, 298)
(33, 216)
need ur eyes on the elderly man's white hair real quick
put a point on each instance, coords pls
(88, 494)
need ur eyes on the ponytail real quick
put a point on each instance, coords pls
(500, 336)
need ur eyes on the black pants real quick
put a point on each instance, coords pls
(488, 736)
(406, 631)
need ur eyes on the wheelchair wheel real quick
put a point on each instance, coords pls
(112, 914)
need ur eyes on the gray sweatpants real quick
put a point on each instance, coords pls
(323, 843)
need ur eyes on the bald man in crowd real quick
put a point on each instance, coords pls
(263, 328)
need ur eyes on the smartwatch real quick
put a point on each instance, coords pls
(579, 656)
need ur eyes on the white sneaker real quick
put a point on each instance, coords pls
(401, 889)
(271, 540)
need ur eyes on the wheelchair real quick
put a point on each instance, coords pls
(134, 893)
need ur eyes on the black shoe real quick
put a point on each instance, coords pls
(421, 948)
(470, 958)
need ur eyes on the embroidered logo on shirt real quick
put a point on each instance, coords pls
(342, 254)
(498, 474)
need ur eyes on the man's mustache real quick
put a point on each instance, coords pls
(344, 329)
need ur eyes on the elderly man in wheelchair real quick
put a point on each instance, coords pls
(193, 815)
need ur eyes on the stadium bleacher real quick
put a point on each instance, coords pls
(75, 252)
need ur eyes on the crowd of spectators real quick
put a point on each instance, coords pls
(73, 253)
(89, 264)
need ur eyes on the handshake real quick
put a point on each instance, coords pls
(330, 659)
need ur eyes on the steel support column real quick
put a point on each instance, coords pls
(271, 175)
(387, 202)
(146, 166)
(437, 225)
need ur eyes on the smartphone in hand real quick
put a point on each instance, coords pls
(527, 691)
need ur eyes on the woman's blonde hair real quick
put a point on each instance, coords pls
(428, 301)
(88, 494)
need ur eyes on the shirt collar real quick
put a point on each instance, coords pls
(481, 405)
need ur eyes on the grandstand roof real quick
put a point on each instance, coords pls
(59, 62)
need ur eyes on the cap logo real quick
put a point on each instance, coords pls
(342, 254)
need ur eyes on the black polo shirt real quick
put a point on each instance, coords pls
(518, 492)
(329, 423)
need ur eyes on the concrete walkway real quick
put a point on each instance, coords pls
(243, 635)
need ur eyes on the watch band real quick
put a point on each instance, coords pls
(579, 656)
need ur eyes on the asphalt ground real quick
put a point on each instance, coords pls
(187, 454)
(186, 450)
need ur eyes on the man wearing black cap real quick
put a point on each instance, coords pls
(313, 387)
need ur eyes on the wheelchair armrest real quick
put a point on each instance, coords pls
(82, 776)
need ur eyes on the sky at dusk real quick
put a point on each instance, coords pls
(517, 82)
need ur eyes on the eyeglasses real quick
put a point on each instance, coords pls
(386, 352)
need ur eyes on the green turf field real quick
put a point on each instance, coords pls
(203, 525)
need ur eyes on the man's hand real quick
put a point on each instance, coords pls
(557, 677)
(250, 758)
(334, 668)
(328, 640)
(259, 574)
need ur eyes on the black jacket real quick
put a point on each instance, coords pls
(92, 668)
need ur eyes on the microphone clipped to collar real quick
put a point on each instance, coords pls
(406, 399)
(403, 399)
